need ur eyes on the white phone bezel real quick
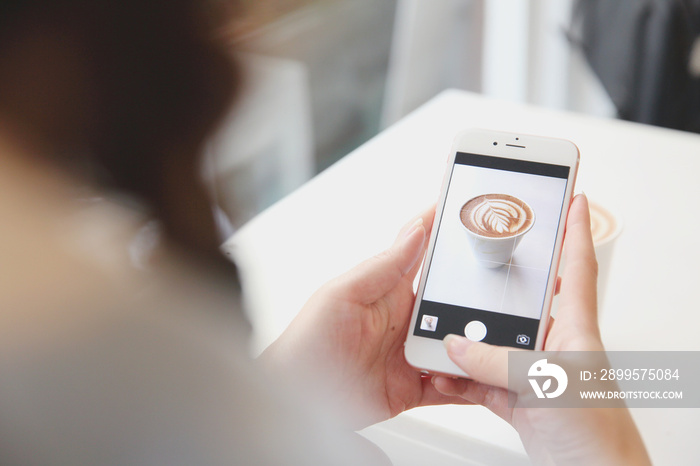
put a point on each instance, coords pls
(429, 355)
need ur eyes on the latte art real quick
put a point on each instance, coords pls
(497, 216)
(603, 224)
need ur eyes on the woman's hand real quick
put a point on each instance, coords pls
(551, 435)
(348, 339)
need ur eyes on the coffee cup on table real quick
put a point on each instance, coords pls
(606, 226)
(495, 224)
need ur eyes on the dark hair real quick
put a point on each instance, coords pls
(127, 91)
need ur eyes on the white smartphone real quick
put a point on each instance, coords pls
(491, 266)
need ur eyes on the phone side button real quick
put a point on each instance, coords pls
(475, 330)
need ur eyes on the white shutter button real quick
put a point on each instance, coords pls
(475, 330)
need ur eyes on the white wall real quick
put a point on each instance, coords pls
(507, 49)
(528, 58)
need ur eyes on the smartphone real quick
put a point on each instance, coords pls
(491, 265)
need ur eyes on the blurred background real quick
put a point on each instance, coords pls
(324, 76)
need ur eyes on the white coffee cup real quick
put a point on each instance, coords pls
(495, 251)
(606, 227)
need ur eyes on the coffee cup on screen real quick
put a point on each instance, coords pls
(495, 225)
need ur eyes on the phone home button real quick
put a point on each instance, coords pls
(475, 330)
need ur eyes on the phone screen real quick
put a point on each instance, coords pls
(489, 268)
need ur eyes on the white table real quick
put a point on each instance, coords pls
(355, 208)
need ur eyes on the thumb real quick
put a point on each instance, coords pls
(375, 277)
(483, 363)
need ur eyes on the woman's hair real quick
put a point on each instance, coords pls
(125, 91)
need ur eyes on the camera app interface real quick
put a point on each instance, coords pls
(489, 268)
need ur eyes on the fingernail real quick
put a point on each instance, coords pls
(456, 345)
(414, 226)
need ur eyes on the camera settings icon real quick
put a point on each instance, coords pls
(522, 339)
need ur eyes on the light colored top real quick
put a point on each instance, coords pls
(103, 363)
